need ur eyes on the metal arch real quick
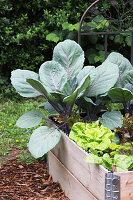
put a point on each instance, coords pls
(106, 33)
(82, 18)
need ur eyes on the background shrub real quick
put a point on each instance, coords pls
(30, 29)
(24, 26)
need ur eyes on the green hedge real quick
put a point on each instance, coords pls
(30, 29)
(24, 26)
(25, 32)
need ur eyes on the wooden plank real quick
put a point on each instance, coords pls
(73, 157)
(73, 189)
(126, 185)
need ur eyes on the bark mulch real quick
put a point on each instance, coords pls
(19, 181)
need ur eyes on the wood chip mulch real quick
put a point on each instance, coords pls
(19, 181)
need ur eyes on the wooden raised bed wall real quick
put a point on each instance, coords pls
(84, 181)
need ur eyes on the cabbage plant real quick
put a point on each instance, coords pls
(99, 90)
(122, 92)
(64, 83)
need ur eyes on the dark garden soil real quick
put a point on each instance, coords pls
(19, 181)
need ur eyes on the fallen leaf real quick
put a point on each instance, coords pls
(21, 166)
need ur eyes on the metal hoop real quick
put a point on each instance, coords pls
(112, 26)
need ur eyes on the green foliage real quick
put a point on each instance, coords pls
(120, 95)
(114, 106)
(30, 119)
(118, 155)
(25, 157)
(91, 135)
(6, 90)
(10, 135)
(99, 142)
(59, 83)
(99, 22)
(29, 30)
(111, 119)
(52, 37)
(42, 140)
(64, 83)
(123, 162)
(25, 27)
(122, 92)
(126, 131)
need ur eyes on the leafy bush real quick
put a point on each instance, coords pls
(25, 26)
(7, 91)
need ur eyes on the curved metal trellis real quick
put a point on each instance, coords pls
(107, 17)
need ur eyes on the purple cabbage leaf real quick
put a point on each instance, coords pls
(70, 56)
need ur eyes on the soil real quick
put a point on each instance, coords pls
(19, 181)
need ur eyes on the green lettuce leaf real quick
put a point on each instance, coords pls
(91, 135)
(94, 159)
(123, 162)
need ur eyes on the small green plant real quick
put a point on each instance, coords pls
(122, 162)
(61, 86)
(91, 135)
(99, 142)
(118, 155)
(25, 157)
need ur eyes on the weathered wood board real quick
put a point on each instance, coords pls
(74, 190)
(126, 185)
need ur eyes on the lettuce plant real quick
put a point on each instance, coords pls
(99, 142)
(91, 135)
(64, 83)
(122, 162)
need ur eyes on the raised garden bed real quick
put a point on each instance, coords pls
(82, 181)
(72, 90)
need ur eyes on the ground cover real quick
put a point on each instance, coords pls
(21, 176)
(20, 181)
(10, 135)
